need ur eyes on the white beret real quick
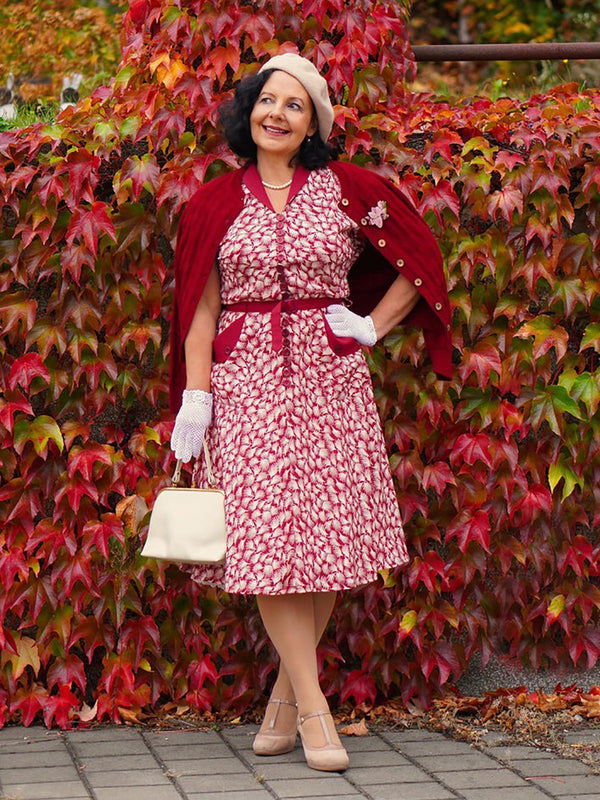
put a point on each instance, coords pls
(315, 84)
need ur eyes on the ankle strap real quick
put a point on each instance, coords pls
(313, 714)
(280, 700)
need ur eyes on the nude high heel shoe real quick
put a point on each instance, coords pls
(329, 757)
(271, 742)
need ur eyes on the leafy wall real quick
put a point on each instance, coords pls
(496, 470)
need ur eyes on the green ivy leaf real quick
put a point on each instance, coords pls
(39, 432)
(591, 337)
(561, 470)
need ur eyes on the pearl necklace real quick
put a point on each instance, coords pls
(273, 186)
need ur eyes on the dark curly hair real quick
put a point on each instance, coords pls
(234, 118)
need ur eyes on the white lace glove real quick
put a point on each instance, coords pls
(194, 417)
(344, 322)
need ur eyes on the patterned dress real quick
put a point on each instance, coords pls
(296, 440)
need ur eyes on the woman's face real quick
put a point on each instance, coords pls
(282, 116)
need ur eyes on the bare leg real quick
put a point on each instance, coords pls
(290, 621)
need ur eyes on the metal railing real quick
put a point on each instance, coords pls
(528, 51)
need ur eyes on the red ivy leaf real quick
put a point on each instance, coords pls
(87, 224)
(64, 672)
(482, 360)
(201, 670)
(505, 202)
(138, 632)
(587, 641)
(82, 459)
(29, 701)
(94, 634)
(537, 500)
(470, 448)
(437, 476)
(81, 168)
(74, 489)
(426, 570)
(8, 408)
(441, 142)
(257, 27)
(11, 565)
(17, 310)
(221, 57)
(73, 570)
(97, 533)
(59, 707)
(25, 369)
(442, 656)
(470, 527)
(360, 685)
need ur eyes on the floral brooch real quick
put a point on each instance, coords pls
(378, 213)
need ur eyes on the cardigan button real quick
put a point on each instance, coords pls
(447, 327)
(400, 262)
(438, 306)
(418, 281)
(364, 221)
(381, 243)
(345, 201)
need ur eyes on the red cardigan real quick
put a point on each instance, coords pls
(404, 244)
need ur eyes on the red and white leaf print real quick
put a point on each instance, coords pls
(309, 499)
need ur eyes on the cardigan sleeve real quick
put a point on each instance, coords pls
(180, 314)
(202, 223)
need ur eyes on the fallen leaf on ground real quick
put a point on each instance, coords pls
(132, 716)
(355, 729)
(87, 713)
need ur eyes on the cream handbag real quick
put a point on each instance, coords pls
(188, 524)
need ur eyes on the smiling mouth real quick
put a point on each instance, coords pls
(274, 131)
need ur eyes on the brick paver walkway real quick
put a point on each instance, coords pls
(113, 763)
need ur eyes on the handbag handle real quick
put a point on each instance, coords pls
(177, 472)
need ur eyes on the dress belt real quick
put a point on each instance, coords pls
(277, 306)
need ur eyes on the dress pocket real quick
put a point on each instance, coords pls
(341, 345)
(224, 343)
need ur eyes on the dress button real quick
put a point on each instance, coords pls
(438, 306)
(418, 281)
(381, 243)
(400, 262)
(345, 201)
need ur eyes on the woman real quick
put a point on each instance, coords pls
(266, 362)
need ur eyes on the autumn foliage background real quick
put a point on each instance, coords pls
(497, 470)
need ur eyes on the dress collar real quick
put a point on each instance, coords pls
(254, 183)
